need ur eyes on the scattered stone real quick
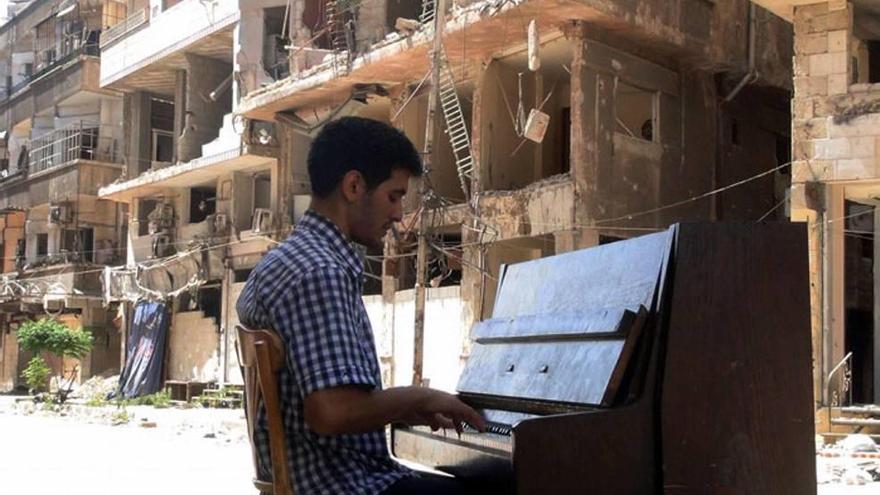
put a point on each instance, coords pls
(148, 424)
(856, 476)
(858, 443)
(210, 435)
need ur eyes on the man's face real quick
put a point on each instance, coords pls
(378, 209)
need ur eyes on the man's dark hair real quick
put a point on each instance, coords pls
(371, 147)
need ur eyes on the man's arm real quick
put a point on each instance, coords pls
(339, 410)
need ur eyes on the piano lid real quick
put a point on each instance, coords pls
(564, 327)
(623, 274)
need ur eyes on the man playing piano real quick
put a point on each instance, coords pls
(308, 290)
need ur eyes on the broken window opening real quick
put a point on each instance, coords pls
(445, 266)
(859, 298)
(635, 112)
(145, 207)
(42, 245)
(373, 272)
(873, 69)
(202, 202)
(78, 244)
(241, 276)
(405, 9)
(162, 131)
(275, 56)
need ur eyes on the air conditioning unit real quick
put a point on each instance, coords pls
(262, 221)
(60, 214)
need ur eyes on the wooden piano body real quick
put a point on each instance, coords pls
(676, 362)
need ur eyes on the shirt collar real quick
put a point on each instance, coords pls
(328, 231)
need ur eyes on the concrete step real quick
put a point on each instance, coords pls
(855, 421)
(863, 410)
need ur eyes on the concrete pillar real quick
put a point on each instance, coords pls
(588, 101)
(203, 118)
(179, 111)
(136, 132)
(822, 68)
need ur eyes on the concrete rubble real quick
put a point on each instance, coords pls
(854, 460)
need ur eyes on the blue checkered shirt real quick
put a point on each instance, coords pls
(308, 289)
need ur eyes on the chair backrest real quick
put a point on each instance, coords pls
(261, 354)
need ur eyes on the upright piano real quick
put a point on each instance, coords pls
(677, 362)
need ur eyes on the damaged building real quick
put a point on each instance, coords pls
(559, 126)
(835, 189)
(201, 184)
(61, 142)
(573, 138)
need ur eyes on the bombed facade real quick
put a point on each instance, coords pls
(559, 125)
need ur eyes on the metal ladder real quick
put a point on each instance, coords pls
(429, 8)
(456, 127)
(341, 37)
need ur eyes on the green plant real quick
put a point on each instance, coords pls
(55, 337)
(36, 374)
(159, 400)
(97, 400)
(47, 335)
(120, 417)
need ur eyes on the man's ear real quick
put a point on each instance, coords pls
(353, 186)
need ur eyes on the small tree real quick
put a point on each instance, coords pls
(56, 338)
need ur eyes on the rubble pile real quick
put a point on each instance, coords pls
(96, 386)
(855, 460)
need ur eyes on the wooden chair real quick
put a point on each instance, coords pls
(261, 355)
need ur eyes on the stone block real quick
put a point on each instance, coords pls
(816, 128)
(811, 170)
(865, 125)
(802, 108)
(838, 84)
(810, 86)
(856, 168)
(863, 147)
(821, 107)
(802, 149)
(837, 4)
(837, 41)
(838, 19)
(801, 65)
(809, 44)
(807, 12)
(820, 64)
(831, 149)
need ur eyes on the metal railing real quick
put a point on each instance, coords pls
(124, 27)
(837, 393)
(80, 141)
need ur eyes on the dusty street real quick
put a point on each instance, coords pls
(159, 452)
(46, 455)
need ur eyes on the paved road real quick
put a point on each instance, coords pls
(44, 455)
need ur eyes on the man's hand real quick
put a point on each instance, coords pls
(441, 410)
(339, 410)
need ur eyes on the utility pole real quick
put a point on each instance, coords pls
(422, 253)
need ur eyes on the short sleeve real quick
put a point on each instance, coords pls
(319, 323)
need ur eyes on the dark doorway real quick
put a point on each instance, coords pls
(859, 298)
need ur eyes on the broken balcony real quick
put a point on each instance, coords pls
(82, 140)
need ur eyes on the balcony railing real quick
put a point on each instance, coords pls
(79, 141)
(127, 25)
